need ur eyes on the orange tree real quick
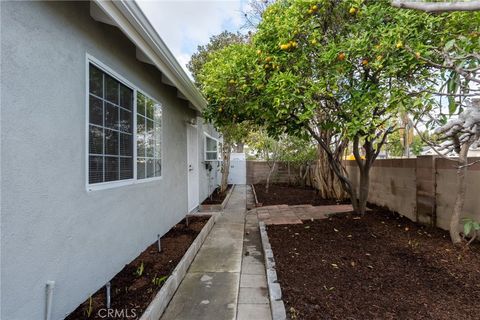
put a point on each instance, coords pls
(336, 70)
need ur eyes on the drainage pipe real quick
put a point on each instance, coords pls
(49, 289)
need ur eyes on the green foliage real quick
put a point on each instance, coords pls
(89, 310)
(217, 42)
(417, 145)
(470, 226)
(159, 280)
(139, 271)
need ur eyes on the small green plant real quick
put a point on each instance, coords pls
(89, 310)
(158, 280)
(470, 229)
(140, 269)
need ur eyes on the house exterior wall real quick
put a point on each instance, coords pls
(52, 228)
(209, 179)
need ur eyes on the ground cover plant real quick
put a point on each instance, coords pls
(376, 266)
(134, 287)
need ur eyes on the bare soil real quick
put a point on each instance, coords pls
(217, 197)
(379, 266)
(133, 292)
(291, 195)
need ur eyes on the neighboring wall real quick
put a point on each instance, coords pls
(446, 187)
(422, 189)
(52, 228)
(257, 172)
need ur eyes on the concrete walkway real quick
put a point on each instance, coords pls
(218, 284)
(285, 214)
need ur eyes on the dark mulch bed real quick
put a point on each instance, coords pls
(217, 197)
(291, 195)
(380, 266)
(130, 291)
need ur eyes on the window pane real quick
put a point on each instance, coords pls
(106, 143)
(95, 169)
(96, 81)
(126, 168)
(112, 89)
(150, 168)
(211, 144)
(125, 121)
(95, 140)
(140, 168)
(211, 156)
(140, 124)
(126, 144)
(140, 103)
(95, 112)
(150, 108)
(150, 139)
(140, 145)
(126, 97)
(111, 142)
(111, 116)
(158, 168)
(111, 168)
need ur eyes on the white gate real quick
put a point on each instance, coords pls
(238, 169)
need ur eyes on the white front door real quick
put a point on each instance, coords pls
(192, 163)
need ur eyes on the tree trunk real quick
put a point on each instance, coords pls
(226, 150)
(269, 175)
(364, 189)
(461, 192)
(326, 181)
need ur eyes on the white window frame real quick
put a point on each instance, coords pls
(219, 153)
(117, 183)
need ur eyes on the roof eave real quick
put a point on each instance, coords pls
(129, 18)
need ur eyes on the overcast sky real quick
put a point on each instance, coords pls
(185, 24)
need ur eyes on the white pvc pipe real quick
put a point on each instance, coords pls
(108, 295)
(159, 245)
(49, 289)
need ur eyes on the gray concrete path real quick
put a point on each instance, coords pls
(210, 289)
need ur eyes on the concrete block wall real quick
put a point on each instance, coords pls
(257, 172)
(422, 189)
(446, 178)
(392, 184)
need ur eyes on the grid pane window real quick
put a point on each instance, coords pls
(110, 128)
(211, 149)
(149, 137)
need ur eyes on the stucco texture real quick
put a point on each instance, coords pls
(52, 228)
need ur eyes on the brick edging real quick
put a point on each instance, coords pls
(277, 307)
(158, 305)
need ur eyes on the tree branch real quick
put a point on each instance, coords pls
(437, 7)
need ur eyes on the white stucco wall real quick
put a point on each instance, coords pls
(51, 227)
(209, 180)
